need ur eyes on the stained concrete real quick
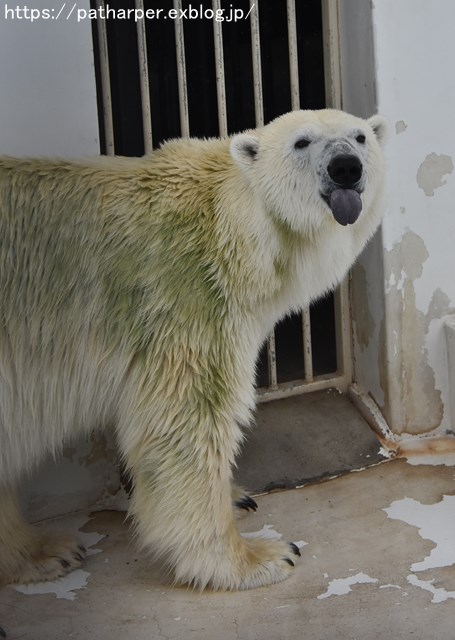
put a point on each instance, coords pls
(305, 438)
(348, 535)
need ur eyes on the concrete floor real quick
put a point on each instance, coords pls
(304, 438)
(351, 540)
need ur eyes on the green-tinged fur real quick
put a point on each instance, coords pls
(137, 293)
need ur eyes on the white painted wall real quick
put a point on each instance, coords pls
(48, 93)
(406, 279)
(48, 107)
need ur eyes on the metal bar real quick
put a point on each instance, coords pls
(307, 349)
(297, 387)
(293, 55)
(181, 73)
(333, 91)
(331, 42)
(256, 59)
(271, 358)
(259, 117)
(105, 83)
(144, 78)
(219, 66)
(295, 103)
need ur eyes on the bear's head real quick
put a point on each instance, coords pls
(308, 167)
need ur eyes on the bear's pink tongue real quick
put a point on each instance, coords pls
(346, 205)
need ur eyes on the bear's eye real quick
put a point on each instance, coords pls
(361, 138)
(302, 143)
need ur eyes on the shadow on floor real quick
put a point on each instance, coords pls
(303, 439)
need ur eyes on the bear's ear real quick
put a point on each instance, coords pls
(244, 149)
(380, 127)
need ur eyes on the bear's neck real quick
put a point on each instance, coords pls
(261, 255)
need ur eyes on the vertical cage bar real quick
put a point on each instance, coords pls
(271, 359)
(257, 66)
(331, 42)
(334, 99)
(105, 83)
(293, 55)
(144, 78)
(219, 66)
(295, 103)
(259, 117)
(181, 73)
(307, 349)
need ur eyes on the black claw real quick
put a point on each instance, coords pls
(78, 556)
(289, 561)
(246, 503)
(295, 549)
(65, 564)
(82, 548)
(2, 632)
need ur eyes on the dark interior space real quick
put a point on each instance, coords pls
(203, 113)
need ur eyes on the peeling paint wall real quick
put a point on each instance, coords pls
(405, 357)
(405, 278)
(49, 107)
(431, 171)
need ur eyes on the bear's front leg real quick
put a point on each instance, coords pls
(183, 510)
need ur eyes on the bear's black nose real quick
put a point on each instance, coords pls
(345, 170)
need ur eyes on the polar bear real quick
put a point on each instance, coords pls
(137, 293)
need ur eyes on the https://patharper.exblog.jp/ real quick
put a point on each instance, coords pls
(71, 11)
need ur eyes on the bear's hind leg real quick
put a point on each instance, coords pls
(29, 555)
(242, 500)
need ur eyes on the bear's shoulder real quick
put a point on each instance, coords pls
(199, 152)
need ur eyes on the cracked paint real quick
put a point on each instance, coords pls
(400, 126)
(430, 172)
(268, 532)
(439, 594)
(390, 586)
(412, 401)
(342, 586)
(435, 522)
(65, 588)
(448, 323)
